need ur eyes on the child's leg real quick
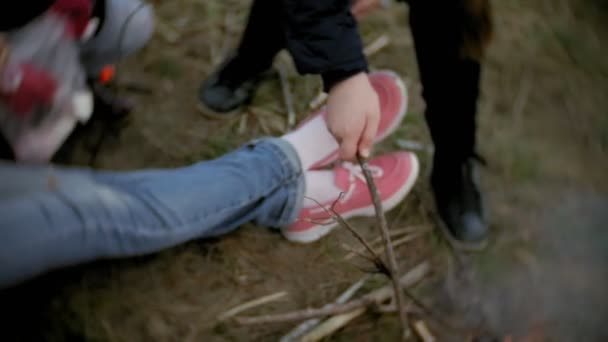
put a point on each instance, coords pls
(70, 216)
(264, 36)
(446, 36)
(450, 80)
(126, 26)
(235, 81)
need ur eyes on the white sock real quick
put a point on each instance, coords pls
(321, 187)
(312, 141)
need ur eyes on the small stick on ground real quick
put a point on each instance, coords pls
(411, 235)
(310, 324)
(251, 304)
(377, 45)
(386, 237)
(423, 332)
(377, 296)
(285, 87)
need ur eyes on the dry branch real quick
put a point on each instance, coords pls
(251, 304)
(337, 322)
(411, 235)
(377, 45)
(422, 330)
(310, 324)
(386, 237)
(374, 257)
(287, 97)
(377, 296)
(332, 325)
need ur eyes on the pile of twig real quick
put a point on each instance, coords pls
(322, 322)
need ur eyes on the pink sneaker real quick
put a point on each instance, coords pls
(394, 174)
(392, 95)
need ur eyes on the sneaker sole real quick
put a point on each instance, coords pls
(319, 231)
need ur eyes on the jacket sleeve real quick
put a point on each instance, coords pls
(14, 14)
(323, 38)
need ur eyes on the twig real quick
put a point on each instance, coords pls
(353, 252)
(310, 324)
(318, 100)
(376, 259)
(332, 325)
(409, 238)
(394, 234)
(291, 113)
(377, 45)
(386, 237)
(328, 310)
(377, 296)
(423, 332)
(251, 304)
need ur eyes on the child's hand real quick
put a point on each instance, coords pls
(353, 116)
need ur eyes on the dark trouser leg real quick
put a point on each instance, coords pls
(263, 38)
(233, 84)
(451, 89)
(450, 81)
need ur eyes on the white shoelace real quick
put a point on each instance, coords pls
(355, 171)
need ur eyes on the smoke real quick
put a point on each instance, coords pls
(559, 292)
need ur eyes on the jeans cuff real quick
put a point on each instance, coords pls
(295, 183)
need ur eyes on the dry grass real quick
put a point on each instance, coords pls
(542, 125)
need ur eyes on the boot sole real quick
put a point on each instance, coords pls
(214, 115)
(479, 246)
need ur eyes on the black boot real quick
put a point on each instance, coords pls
(459, 202)
(228, 88)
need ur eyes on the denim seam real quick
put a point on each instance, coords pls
(286, 167)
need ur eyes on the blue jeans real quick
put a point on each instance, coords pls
(55, 217)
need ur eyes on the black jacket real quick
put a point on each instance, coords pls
(322, 35)
(323, 38)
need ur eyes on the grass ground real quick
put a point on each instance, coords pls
(543, 129)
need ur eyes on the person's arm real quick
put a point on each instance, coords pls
(323, 38)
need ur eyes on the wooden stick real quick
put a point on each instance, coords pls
(411, 235)
(318, 101)
(251, 304)
(332, 325)
(386, 237)
(375, 258)
(422, 330)
(377, 45)
(337, 322)
(291, 113)
(328, 310)
(377, 296)
(310, 324)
